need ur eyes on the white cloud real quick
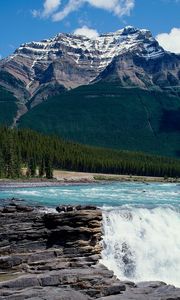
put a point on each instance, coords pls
(49, 7)
(86, 31)
(117, 7)
(170, 41)
(71, 6)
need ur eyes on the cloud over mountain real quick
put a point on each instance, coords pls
(170, 41)
(86, 31)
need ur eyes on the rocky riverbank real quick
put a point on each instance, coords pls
(56, 256)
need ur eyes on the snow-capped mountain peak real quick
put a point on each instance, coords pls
(101, 49)
(71, 60)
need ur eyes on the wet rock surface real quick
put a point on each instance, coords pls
(56, 256)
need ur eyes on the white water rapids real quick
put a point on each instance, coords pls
(141, 225)
(142, 244)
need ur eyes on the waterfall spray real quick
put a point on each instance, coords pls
(142, 244)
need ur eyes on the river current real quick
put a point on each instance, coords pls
(141, 224)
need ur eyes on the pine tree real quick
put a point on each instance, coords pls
(23, 147)
(48, 168)
(2, 165)
(32, 167)
(12, 163)
(42, 169)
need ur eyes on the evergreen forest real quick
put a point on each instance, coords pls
(24, 148)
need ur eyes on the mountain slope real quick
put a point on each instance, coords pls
(110, 116)
(130, 69)
(120, 90)
(8, 107)
(132, 55)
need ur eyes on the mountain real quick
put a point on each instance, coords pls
(128, 82)
(39, 69)
(108, 115)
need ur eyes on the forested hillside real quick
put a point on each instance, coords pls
(107, 115)
(8, 107)
(25, 148)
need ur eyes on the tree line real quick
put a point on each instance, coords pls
(34, 151)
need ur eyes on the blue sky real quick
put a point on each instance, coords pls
(27, 20)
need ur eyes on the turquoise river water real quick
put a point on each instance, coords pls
(141, 224)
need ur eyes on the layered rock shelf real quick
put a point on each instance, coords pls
(55, 255)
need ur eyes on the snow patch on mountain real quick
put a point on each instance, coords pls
(98, 51)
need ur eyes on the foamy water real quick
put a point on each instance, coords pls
(143, 244)
(141, 224)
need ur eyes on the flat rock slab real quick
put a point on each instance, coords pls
(45, 294)
(165, 292)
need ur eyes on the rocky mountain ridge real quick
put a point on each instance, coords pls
(37, 70)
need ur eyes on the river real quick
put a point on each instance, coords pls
(141, 224)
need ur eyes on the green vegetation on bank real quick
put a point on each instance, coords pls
(25, 148)
(107, 115)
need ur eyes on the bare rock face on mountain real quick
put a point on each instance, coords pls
(130, 69)
(133, 57)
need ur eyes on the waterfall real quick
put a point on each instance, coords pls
(142, 244)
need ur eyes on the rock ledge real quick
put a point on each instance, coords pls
(55, 256)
